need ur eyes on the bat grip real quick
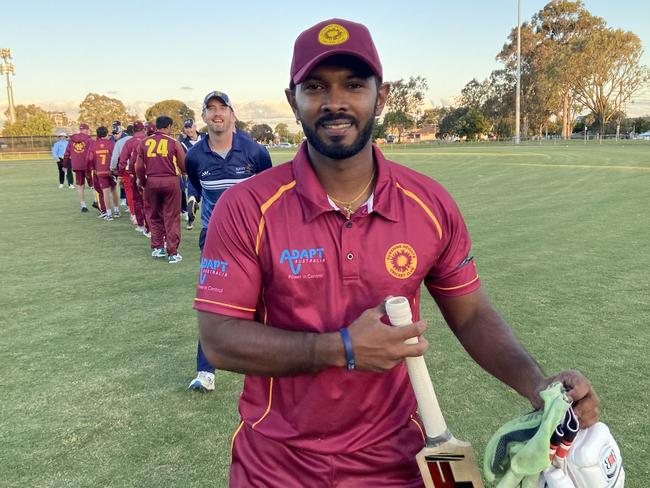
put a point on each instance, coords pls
(399, 314)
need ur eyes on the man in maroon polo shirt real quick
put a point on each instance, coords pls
(99, 160)
(126, 168)
(300, 259)
(75, 155)
(160, 161)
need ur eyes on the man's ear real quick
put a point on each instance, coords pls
(382, 95)
(291, 98)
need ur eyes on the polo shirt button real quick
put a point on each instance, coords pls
(350, 256)
(348, 225)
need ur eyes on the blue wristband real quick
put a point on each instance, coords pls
(347, 345)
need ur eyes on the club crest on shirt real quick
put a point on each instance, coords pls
(401, 260)
(79, 147)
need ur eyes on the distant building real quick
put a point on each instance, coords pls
(60, 119)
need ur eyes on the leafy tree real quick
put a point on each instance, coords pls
(243, 126)
(611, 73)
(431, 117)
(175, 109)
(23, 112)
(282, 130)
(378, 130)
(449, 125)
(473, 124)
(97, 110)
(31, 120)
(296, 138)
(549, 62)
(474, 94)
(262, 133)
(399, 121)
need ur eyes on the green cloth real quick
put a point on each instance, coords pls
(518, 451)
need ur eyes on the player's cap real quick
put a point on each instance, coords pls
(84, 126)
(151, 128)
(328, 38)
(217, 94)
(138, 125)
(187, 123)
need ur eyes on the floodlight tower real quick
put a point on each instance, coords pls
(518, 94)
(7, 68)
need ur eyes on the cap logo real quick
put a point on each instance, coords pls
(333, 34)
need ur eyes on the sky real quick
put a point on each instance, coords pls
(145, 51)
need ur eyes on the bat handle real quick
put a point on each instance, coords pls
(399, 314)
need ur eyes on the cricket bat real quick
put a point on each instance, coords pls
(444, 461)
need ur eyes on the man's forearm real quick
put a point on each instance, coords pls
(249, 347)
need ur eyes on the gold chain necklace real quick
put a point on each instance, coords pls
(347, 206)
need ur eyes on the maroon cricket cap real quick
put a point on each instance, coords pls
(138, 125)
(84, 126)
(330, 37)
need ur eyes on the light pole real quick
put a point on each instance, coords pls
(518, 93)
(7, 68)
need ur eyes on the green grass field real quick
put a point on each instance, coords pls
(97, 340)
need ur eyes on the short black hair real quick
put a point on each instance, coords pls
(129, 130)
(102, 131)
(163, 122)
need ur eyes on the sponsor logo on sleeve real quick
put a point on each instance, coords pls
(401, 261)
(214, 267)
(297, 258)
(609, 462)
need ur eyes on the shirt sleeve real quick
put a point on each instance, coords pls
(454, 273)
(193, 181)
(263, 159)
(230, 277)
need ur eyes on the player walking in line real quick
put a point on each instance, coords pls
(160, 161)
(99, 160)
(58, 153)
(75, 158)
(117, 134)
(123, 181)
(296, 266)
(214, 164)
(191, 196)
(126, 169)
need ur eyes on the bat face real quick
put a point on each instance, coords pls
(449, 465)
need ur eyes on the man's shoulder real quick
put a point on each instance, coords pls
(263, 186)
(416, 183)
(246, 142)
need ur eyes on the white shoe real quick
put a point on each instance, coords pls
(71, 187)
(60, 185)
(140, 229)
(146, 234)
(186, 216)
(158, 252)
(123, 202)
(204, 382)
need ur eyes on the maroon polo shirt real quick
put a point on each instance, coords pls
(99, 156)
(279, 253)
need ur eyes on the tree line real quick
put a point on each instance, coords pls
(571, 64)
